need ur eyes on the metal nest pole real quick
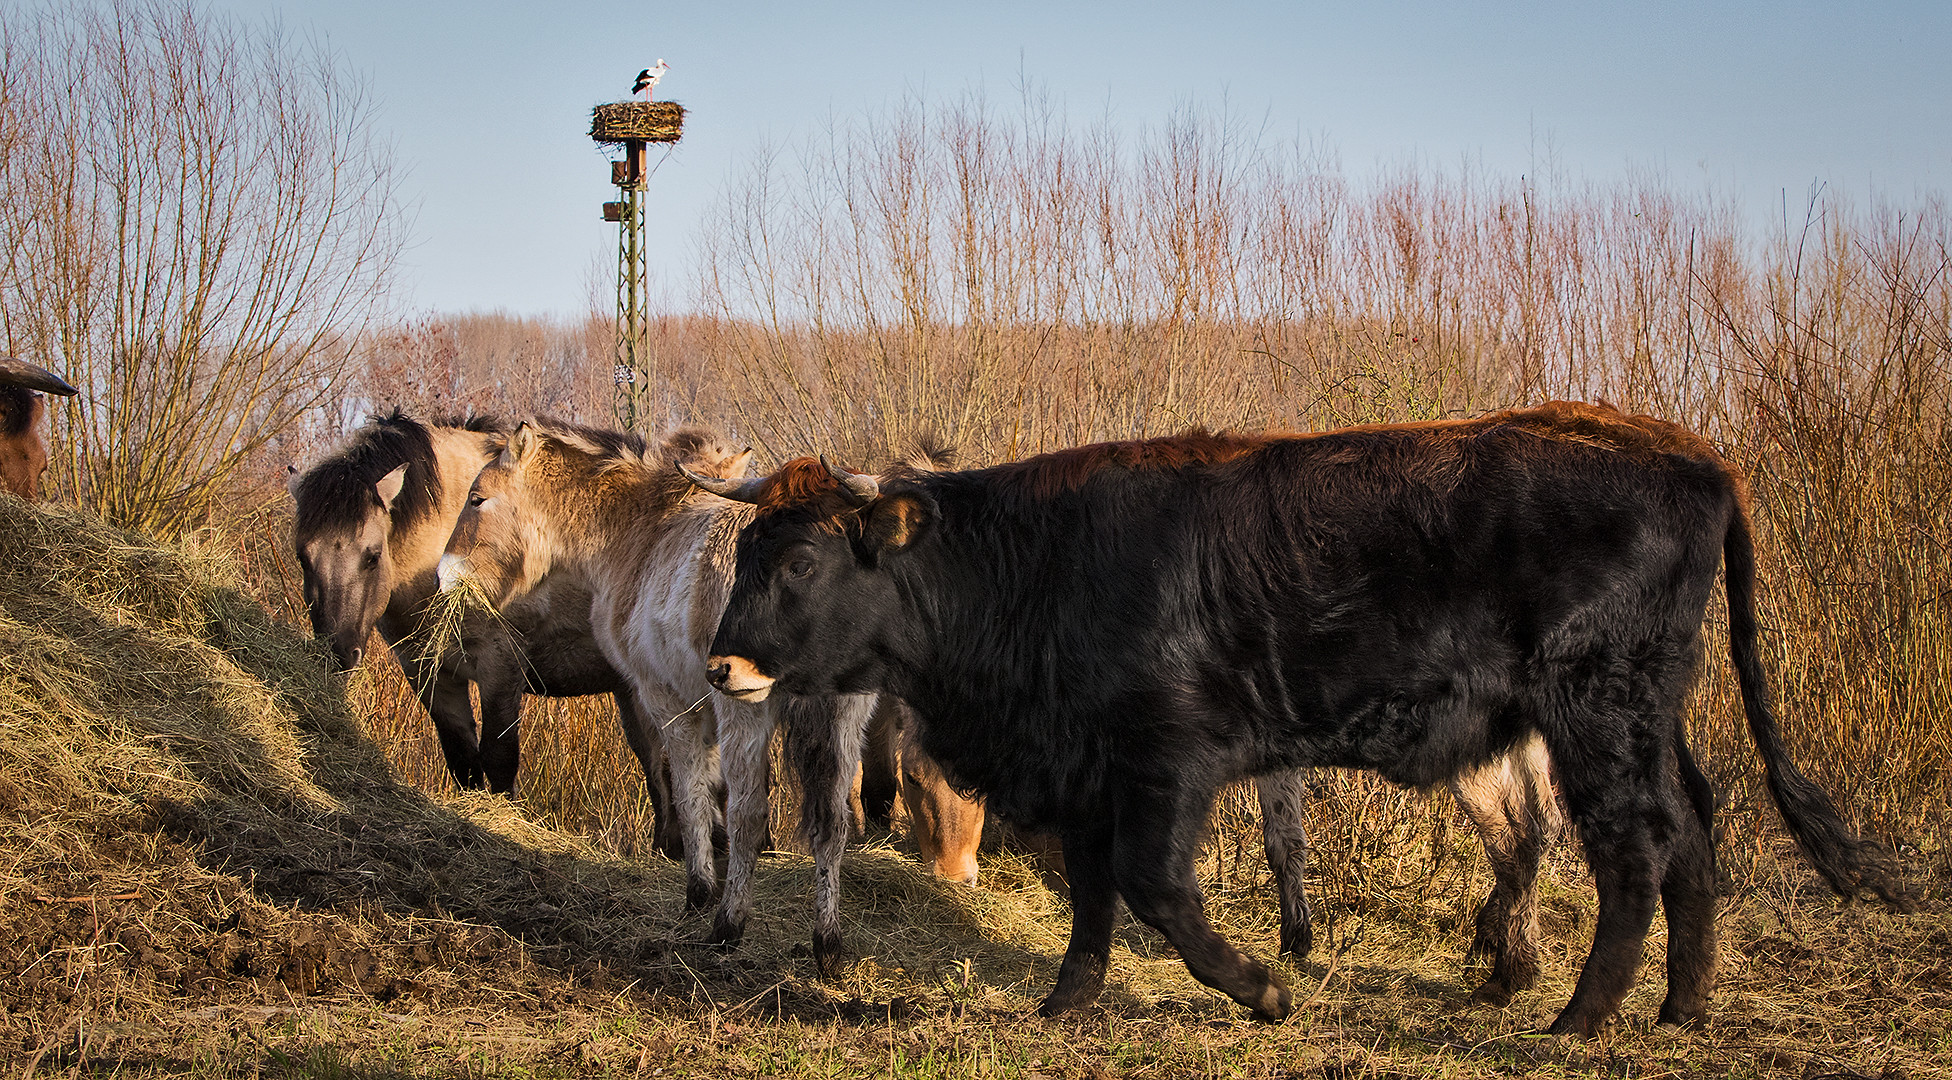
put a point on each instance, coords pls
(634, 125)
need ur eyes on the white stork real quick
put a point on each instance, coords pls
(647, 79)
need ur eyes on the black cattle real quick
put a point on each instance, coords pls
(1099, 639)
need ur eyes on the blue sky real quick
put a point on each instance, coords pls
(488, 102)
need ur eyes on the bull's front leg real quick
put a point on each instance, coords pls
(823, 748)
(1284, 801)
(1094, 908)
(1156, 838)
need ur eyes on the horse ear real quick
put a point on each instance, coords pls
(740, 465)
(519, 444)
(389, 486)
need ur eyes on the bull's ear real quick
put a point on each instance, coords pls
(894, 523)
(389, 486)
(291, 479)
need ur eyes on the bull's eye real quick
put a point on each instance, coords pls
(799, 568)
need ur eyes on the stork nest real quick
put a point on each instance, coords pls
(650, 121)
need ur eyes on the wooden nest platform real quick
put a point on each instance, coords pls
(627, 121)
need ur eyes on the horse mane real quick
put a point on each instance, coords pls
(637, 461)
(334, 492)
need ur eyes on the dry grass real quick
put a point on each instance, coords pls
(207, 867)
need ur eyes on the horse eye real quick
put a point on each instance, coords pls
(371, 560)
(476, 498)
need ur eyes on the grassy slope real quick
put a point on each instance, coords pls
(207, 867)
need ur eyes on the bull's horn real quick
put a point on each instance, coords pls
(859, 488)
(34, 377)
(745, 491)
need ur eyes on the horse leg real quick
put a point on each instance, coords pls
(641, 732)
(823, 747)
(501, 687)
(1284, 797)
(1094, 908)
(1512, 804)
(444, 693)
(744, 734)
(690, 745)
(1155, 840)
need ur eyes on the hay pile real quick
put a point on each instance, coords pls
(190, 816)
(651, 121)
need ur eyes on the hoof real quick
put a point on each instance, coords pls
(1298, 941)
(1677, 1018)
(698, 895)
(1275, 1004)
(1493, 993)
(1577, 1026)
(830, 955)
(725, 934)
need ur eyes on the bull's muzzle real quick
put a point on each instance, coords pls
(738, 677)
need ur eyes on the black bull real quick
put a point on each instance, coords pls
(1099, 639)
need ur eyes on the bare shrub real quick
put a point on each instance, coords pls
(198, 226)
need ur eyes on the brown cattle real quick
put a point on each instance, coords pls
(23, 454)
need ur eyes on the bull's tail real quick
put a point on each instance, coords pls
(1850, 863)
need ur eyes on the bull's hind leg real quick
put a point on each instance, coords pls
(1688, 898)
(1153, 847)
(1512, 803)
(1637, 827)
(823, 747)
(1094, 908)
(1284, 797)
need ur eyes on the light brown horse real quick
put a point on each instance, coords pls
(23, 454)
(373, 519)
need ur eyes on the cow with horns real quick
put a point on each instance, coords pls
(23, 454)
(1100, 638)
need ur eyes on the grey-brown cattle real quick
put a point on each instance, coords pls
(603, 509)
(23, 452)
(1098, 639)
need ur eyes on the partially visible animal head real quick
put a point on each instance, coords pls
(362, 516)
(542, 497)
(23, 454)
(947, 825)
